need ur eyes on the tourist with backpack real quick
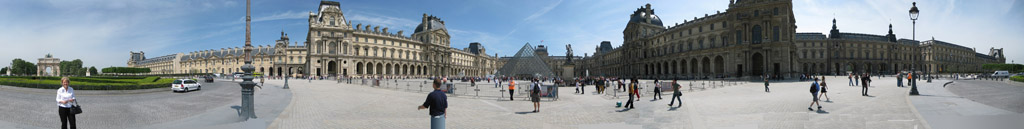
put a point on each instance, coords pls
(814, 95)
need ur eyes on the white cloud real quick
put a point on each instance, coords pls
(281, 16)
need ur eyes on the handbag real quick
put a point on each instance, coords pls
(76, 109)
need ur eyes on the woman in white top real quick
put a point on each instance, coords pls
(65, 96)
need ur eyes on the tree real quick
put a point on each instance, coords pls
(1012, 68)
(22, 67)
(92, 71)
(3, 70)
(125, 70)
(73, 67)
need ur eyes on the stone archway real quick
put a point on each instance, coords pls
(332, 68)
(48, 66)
(757, 64)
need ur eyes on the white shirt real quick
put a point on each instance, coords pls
(63, 95)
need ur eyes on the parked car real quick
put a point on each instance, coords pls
(208, 78)
(1001, 74)
(185, 85)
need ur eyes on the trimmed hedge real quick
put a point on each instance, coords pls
(85, 83)
(1018, 78)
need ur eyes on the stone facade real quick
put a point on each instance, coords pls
(757, 37)
(335, 47)
(751, 38)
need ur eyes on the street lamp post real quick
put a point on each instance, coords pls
(247, 85)
(913, 17)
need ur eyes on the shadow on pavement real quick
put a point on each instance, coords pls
(821, 111)
(672, 108)
(238, 109)
(526, 112)
(940, 96)
(623, 110)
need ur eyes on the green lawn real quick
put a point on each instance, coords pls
(88, 83)
(1018, 78)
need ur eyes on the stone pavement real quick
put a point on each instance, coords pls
(943, 109)
(210, 107)
(328, 104)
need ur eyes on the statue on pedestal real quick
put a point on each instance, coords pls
(568, 54)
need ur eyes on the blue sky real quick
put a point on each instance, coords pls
(102, 32)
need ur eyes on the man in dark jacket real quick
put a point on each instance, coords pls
(437, 101)
(865, 80)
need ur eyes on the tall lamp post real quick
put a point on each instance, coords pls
(913, 17)
(247, 85)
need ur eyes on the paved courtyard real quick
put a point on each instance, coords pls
(734, 104)
(328, 104)
(210, 107)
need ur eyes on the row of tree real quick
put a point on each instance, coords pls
(67, 68)
(1012, 68)
(124, 70)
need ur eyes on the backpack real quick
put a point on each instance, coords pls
(536, 88)
(814, 87)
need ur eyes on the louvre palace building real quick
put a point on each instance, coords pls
(758, 37)
(336, 47)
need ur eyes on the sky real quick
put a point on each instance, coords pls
(103, 32)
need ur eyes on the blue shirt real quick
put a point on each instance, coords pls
(815, 87)
(437, 101)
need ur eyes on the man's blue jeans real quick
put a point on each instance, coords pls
(437, 122)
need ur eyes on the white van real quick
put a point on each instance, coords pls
(1001, 74)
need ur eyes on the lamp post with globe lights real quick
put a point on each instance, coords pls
(913, 17)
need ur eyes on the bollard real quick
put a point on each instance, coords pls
(477, 92)
(421, 87)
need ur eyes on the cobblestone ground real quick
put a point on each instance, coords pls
(328, 104)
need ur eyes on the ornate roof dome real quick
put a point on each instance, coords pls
(429, 23)
(645, 15)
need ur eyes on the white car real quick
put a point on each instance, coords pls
(185, 85)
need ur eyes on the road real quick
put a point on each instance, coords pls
(997, 94)
(36, 108)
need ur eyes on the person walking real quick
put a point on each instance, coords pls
(535, 95)
(511, 89)
(657, 91)
(824, 90)
(899, 80)
(850, 76)
(583, 86)
(261, 81)
(66, 96)
(675, 94)
(856, 80)
(866, 79)
(636, 89)
(578, 87)
(437, 101)
(632, 88)
(766, 85)
(814, 95)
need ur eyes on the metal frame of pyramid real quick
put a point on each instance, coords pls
(525, 64)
